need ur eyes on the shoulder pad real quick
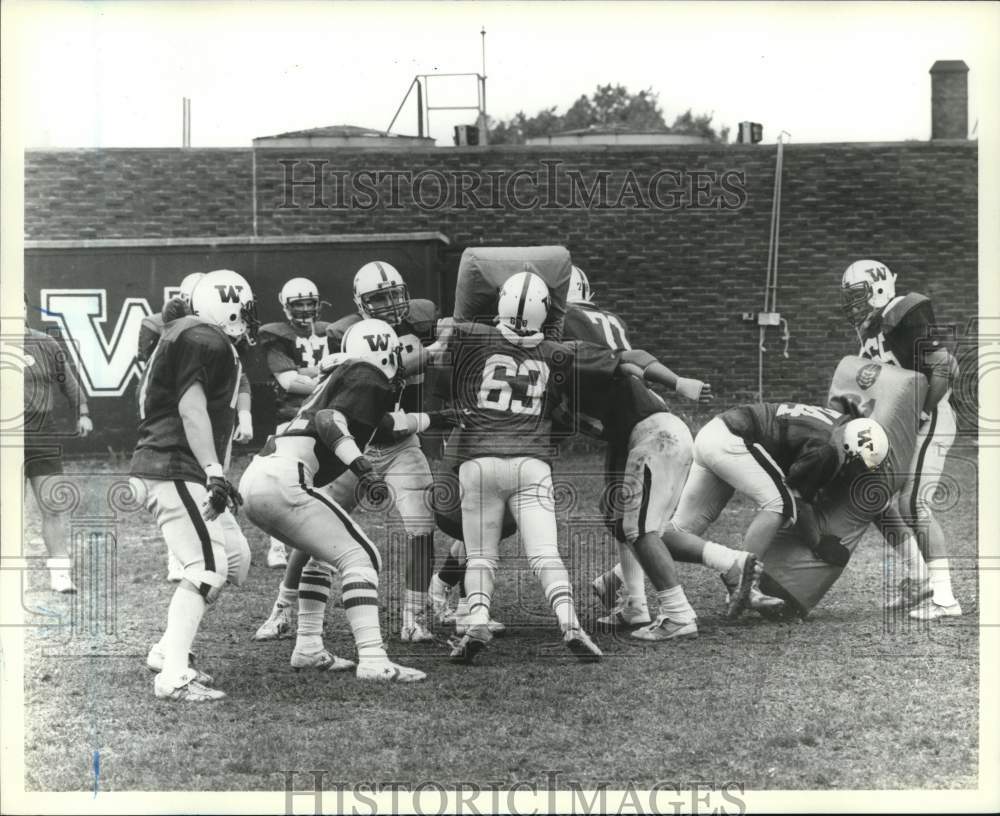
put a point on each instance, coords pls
(270, 332)
(320, 327)
(154, 322)
(335, 331)
(191, 330)
(900, 307)
(422, 310)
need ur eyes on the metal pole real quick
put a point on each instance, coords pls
(484, 130)
(420, 109)
(186, 122)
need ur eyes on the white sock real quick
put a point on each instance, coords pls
(183, 618)
(911, 562)
(559, 594)
(313, 594)
(414, 603)
(674, 605)
(631, 572)
(286, 597)
(720, 558)
(937, 569)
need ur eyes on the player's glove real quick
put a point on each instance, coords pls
(370, 485)
(222, 495)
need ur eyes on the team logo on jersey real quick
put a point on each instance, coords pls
(377, 342)
(229, 293)
(867, 375)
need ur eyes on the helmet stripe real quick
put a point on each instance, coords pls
(523, 297)
(381, 271)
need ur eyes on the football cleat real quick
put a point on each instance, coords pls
(496, 628)
(764, 604)
(932, 610)
(471, 644)
(626, 616)
(910, 593)
(154, 662)
(607, 588)
(665, 629)
(387, 672)
(739, 580)
(189, 691)
(278, 624)
(323, 661)
(580, 644)
(277, 555)
(60, 581)
(415, 632)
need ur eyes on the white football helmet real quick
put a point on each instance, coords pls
(188, 284)
(380, 293)
(866, 440)
(579, 287)
(225, 299)
(866, 286)
(376, 342)
(299, 297)
(523, 303)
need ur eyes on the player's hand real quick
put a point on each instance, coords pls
(371, 485)
(693, 389)
(925, 422)
(222, 495)
(706, 395)
(244, 428)
(84, 425)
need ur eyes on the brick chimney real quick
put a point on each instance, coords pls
(949, 100)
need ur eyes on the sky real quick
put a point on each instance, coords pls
(113, 74)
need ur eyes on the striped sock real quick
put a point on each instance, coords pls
(313, 594)
(479, 582)
(361, 606)
(559, 594)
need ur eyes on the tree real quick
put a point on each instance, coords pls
(609, 105)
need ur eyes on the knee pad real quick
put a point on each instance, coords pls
(208, 582)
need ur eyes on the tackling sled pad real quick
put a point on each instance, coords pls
(801, 567)
(483, 270)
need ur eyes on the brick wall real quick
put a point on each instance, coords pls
(680, 275)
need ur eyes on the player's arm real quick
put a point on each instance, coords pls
(70, 387)
(402, 424)
(941, 369)
(813, 470)
(244, 424)
(149, 336)
(193, 410)
(286, 374)
(645, 365)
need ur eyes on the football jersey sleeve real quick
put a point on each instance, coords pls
(363, 395)
(202, 354)
(149, 335)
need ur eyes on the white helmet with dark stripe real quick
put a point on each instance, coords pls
(866, 287)
(380, 293)
(188, 284)
(523, 303)
(579, 287)
(374, 341)
(299, 297)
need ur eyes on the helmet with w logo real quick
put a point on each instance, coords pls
(866, 287)
(225, 299)
(523, 303)
(376, 342)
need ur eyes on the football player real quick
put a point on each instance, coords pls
(900, 330)
(283, 488)
(149, 335)
(622, 590)
(780, 456)
(293, 349)
(504, 383)
(45, 370)
(187, 410)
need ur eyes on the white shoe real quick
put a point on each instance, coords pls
(189, 690)
(626, 616)
(932, 611)
(277, 555)
(665, 629)
(154, 662)
(471, 644)
(416, 632)
(495, 627)
(60, 581)
(580, 644)
(388, 672)
(440, 595)
(175, 569)
(278, 624)
(322, 660)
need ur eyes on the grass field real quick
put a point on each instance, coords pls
(845, 699)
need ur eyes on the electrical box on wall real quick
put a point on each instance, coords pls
(768, 319)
